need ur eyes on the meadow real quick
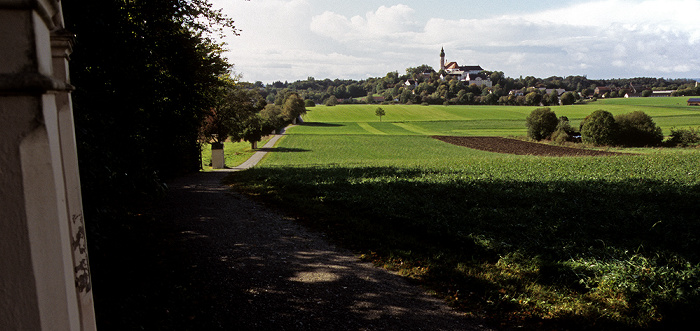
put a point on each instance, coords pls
(482, 120)
(539, 242)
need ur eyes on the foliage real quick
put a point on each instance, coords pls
(293, 107)
(685, 137)
(309, 103)
(331, 101)
(541, 123)
(568, 98)
(599, 128)
(272, 118)
(145, 73)
(253, 130)
(380, 112)
(564, 132)
(429, 88)
(216, 126)
(638, 129)
(242, 105)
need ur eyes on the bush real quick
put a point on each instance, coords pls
(638, 129)
(541, 123)
(685, 137)
(599, 128)
(331, 101)
(309, 103)
(564, 132)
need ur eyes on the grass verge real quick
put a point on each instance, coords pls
(235, 153)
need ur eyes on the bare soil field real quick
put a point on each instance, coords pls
(519, 147)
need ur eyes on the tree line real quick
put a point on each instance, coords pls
(431, 89)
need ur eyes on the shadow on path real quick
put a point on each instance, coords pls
(220, 261)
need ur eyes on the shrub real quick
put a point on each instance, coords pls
(309, 103)
(541, 123)
(599, 128)
(685, 137)
(638, 129)
(331, 101)
(564, 132)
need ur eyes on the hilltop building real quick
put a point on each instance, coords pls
(469, 74)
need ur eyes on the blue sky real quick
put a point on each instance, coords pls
(294, 39)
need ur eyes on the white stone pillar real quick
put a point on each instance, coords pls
(217, 157)
(39, 289)
(61, 47)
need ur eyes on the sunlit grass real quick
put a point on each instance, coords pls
(548, 243)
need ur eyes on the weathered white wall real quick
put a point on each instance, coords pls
(42, 283)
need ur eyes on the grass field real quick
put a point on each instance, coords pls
(544, 243)
(482, 120)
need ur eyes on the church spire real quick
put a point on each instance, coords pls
(442, 58)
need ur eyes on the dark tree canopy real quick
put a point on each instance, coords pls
(541, 123)
(145, 73)
(638, 129)
(599, 128)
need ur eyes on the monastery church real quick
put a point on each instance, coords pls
(469, 74)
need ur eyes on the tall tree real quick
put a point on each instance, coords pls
(293, 108)
(144, 72)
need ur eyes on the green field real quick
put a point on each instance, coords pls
(481, 120)
(544, 243)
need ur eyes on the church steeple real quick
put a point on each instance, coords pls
(442, 58)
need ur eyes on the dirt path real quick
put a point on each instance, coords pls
(237, 266)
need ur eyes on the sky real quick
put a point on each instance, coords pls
(289, 40)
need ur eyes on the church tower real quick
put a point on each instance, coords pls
(442, 59)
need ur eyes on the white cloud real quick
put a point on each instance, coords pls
(384, 23)
(289, 40)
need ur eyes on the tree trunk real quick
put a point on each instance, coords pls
(254, 144)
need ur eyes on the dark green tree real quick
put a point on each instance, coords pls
(241, 104)
(568, 98)
(293, 108)
(600, 128)
(638, 129)
(541, 123)
(272, 118)
(253, 130)
(533, 98)
(146, 73)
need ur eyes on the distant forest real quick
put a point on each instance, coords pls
(431, 89)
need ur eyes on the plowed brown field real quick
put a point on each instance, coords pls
(519, 147)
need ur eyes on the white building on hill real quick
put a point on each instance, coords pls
(468, 74)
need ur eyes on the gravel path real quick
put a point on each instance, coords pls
(241, 266)
(265, 272)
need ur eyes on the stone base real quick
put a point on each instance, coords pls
(217, 158)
